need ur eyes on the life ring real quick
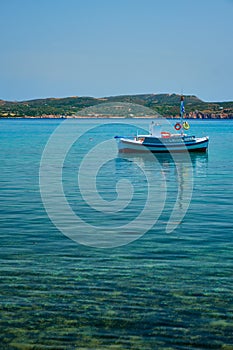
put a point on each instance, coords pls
(177, 126)
(186, 125)
(165, 134)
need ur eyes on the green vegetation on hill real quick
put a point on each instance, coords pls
(164, 104)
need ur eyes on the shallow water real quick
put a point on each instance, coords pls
(161, 291)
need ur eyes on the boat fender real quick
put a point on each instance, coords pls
(177, 126)
(186, 125)
(165, 134)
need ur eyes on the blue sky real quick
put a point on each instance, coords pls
(58, 48)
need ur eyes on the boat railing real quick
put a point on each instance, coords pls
(189, 138)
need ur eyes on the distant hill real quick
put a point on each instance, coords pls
(164, 104)
(148, 99)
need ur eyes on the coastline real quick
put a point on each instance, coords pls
(204, 117)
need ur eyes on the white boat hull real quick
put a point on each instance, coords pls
(163, 145)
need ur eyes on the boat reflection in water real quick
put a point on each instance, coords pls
(175, 174)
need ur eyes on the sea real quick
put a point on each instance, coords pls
(106, 251)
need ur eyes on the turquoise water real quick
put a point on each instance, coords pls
(161, 291)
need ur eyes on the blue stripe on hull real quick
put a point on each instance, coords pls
(130, 150)
(174, 145)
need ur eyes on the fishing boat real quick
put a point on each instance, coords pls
(158, 141)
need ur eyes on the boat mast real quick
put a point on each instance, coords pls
(182, 110)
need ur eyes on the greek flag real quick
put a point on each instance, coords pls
(182, 109)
